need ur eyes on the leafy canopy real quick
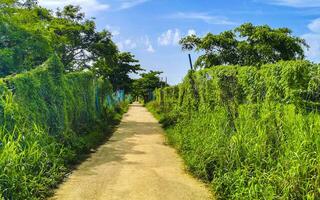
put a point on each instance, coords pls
(30, 34)
(144, 86)
(246, 45)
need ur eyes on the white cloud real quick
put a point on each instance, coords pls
(92, 6)
(115, 31)
(126, 45)
(314, 26)
(120, 46)
(130, 44)
(294, 3)
(148, 44)
(88, 6)
(192, 32)
(170, 37)
(176, 37)
(126, 4)
(205, 17)
(150, 49)
(142, 43)
(313, 40)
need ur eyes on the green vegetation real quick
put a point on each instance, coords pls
(47, 119)
(246, 45)
(143, 87)
(30, 34)
(251, 132)
(58, 77)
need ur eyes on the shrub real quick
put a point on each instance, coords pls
(47, 119)
(249, 133)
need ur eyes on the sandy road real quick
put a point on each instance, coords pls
(135, 164)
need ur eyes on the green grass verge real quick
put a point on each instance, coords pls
(270, 151)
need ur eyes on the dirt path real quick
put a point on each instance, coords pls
(134, 164)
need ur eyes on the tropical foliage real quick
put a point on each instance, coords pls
(47, 119)
(58, 75)
(252, 133)
(247, 123)
(30, 34)
(246, 45)
(143, 87)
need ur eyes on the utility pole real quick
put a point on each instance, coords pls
(192, 82)
(190, 61)
(161, 82)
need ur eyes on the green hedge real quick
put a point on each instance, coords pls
(48, 118)
(283, 82)
(253, 133)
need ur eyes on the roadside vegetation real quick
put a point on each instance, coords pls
(245, 119)
(143, 87)
(251, 132)
(63, 87)
(48, 119)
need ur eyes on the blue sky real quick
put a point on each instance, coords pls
(151, 28)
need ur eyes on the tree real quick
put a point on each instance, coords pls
(246, 45)
(30, 34)
(117, 69)
(22, 47)
(73, 37)
(144, 86)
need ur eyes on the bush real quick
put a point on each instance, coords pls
(47, 119)
(250, 132)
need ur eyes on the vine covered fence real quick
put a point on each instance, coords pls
(47, 118)
(253, 133)
(290, 82)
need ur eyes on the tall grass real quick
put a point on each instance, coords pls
(244, 141)
(47, 120)
(30, 162)
(272, 153)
